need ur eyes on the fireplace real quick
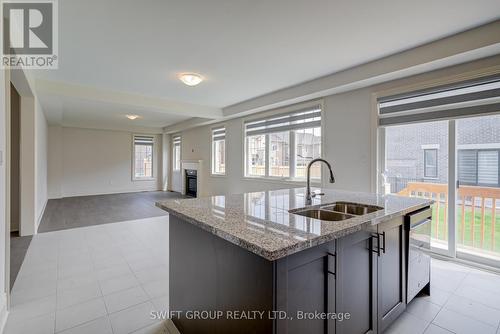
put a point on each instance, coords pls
(191, 182)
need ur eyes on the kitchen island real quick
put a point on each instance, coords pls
(265, 262)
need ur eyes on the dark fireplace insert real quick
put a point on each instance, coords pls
(191, 182)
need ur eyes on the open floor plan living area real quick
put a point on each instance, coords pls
(232, 167)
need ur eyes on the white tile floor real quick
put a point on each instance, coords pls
(463, 301)
(98, 279)
(107, 278)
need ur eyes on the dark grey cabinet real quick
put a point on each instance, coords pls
(362, 274)
(371, 278)
(390, 272)
(305, 284)
(357, 283)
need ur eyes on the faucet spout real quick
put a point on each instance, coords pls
(309, 196)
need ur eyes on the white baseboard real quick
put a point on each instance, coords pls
(3, 312)
(41, 215)
(110, 192)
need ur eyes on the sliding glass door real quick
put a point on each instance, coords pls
(478, 192)
(416, 164)
(457, 164)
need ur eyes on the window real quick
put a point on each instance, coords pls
(307, 147)
(479, 167)
(143, 157)
(176, 153)
(430, 163)
(281, 146)
(279, 154)
(256, 155)
(219, 151)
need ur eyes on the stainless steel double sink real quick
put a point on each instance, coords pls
(336, 211)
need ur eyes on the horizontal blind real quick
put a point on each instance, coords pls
(467, 163)
(219, 133)
(299, 119)
(487, 167)
(143, 140)
(469, 98)
(176, 140)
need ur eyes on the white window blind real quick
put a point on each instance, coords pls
(281, 145)
(143, 157)
(219, 151)
(468, 98)
(176, 152)
(301, 119)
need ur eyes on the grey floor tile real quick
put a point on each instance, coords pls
(408, 324)
(124, 299)
(119, 283)
(78, 295)
(474, 310)
(132, 319)
(33, 309)
(98, 326)
(79, 314)
(433, 329)
(423, 309)
(461, 324)
(39, 325)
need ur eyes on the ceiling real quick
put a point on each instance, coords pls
(244, 48)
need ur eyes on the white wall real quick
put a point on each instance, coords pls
(54, 156)
(88, 162)
(3, 198)
(350, 137)
(41, 142)
(27, 166)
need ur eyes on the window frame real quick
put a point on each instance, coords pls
(425, 176)
(277, 179)
(174, 144)
(212, 150)
(153, 159)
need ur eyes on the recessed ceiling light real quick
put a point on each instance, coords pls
(132, 117)
(190, 79)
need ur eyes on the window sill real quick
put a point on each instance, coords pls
(144, 179)
(296, 182)
(217, 175)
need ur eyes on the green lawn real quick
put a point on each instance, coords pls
(487, 243)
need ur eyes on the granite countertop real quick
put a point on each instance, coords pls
(260, 221)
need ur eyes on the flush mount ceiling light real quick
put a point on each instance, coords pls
(132, 117)
(190, 79)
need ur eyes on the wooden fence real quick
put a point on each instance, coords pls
(471, 197)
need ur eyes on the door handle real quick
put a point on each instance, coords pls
(377, 237)
(383, 241)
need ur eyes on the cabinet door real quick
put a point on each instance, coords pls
(304, 284)
(357, 283)
(391, 272)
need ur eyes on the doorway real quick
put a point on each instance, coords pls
(18, 245)
(15, 156)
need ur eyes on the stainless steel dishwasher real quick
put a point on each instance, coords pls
(418, 260)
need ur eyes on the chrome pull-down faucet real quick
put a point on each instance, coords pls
(310, 196)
